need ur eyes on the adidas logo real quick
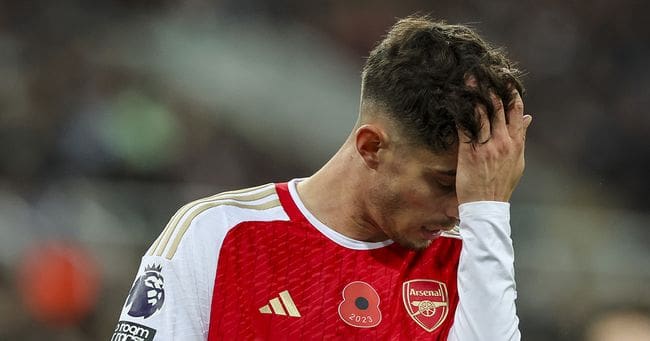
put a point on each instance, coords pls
(277, 306)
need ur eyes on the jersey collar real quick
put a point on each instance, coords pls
(297, 211)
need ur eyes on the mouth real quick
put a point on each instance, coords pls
(430, 233)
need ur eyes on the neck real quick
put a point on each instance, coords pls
(336, 196)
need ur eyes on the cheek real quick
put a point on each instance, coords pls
(409, 208)
(401, 204)
(387, 204)
(417, 198)
(386, 199)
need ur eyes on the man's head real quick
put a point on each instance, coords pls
(418, 75)
(420, 85)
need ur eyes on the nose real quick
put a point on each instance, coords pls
(451, 207)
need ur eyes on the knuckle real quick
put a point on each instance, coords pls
(518, 105)
(498, 105)
(503, 149)
(501, 146)
(496, 101)
(494, 153)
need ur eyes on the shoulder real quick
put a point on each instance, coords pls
(209, 219)
(181, 264)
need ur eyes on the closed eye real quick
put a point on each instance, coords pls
(446, 185)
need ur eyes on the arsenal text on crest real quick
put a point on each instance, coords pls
(426, 301)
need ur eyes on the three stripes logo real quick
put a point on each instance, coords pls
(281, 305)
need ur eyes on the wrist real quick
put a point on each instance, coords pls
(483, 208)
(483, 196)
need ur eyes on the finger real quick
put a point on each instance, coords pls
(463, 138)
(528, 119)
(484, 132)
(499, 122)
(516, 116)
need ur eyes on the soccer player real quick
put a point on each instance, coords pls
(404, 234)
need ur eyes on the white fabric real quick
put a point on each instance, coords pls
(189, 276)
(486, 276)
(486, 285)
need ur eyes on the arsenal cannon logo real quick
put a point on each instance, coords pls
(426, 301)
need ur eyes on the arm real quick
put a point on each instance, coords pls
(487, 175)
(170, 297)
(486, 278)
(172, 294)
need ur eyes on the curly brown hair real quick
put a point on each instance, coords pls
(418, 73)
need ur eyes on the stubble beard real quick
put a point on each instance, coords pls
(412, 245)
(389, 205)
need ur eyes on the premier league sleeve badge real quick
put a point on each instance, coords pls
(147, 294)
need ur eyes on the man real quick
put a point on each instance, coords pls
(368, 247)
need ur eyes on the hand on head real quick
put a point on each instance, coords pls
(490, 169)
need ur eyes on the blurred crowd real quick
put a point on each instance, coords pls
(113, 114)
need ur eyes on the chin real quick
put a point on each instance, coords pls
(413, 245)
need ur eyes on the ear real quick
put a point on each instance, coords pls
(369, 140)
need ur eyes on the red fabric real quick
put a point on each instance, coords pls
(288, 204)
(258, 260)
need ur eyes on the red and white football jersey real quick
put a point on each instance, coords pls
(256, 264)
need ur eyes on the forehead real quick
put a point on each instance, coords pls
(444, 162)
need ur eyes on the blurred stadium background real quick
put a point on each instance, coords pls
(113, 114)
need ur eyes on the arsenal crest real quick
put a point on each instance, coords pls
(426, 301)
